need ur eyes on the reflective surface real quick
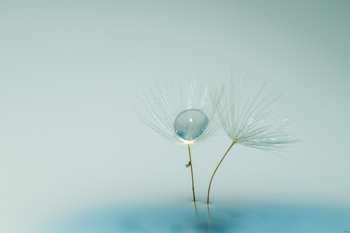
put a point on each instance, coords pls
(182, 218)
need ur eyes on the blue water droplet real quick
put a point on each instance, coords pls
(190, 124)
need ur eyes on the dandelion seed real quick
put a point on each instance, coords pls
(182, 117)
(251, 121)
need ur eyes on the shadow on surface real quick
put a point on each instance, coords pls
(182, 218)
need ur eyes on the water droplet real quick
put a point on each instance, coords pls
(190, 124)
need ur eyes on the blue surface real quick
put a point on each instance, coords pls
(182, 218)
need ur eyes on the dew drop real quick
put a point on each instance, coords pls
(190, 124)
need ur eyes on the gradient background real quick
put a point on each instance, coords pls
(70, 71)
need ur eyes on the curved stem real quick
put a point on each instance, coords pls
(234, 141)
(190, 163)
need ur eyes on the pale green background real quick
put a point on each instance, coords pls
(70, 71)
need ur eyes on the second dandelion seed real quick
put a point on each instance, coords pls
(250, 121)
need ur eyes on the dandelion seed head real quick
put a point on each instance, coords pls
(190, 124)
(249, 119)
(183, 113)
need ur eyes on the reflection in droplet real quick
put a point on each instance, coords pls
(190, 124)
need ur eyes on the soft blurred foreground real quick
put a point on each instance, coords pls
(286, 218)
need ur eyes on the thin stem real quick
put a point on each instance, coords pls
(190, 163)
(234, 141)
